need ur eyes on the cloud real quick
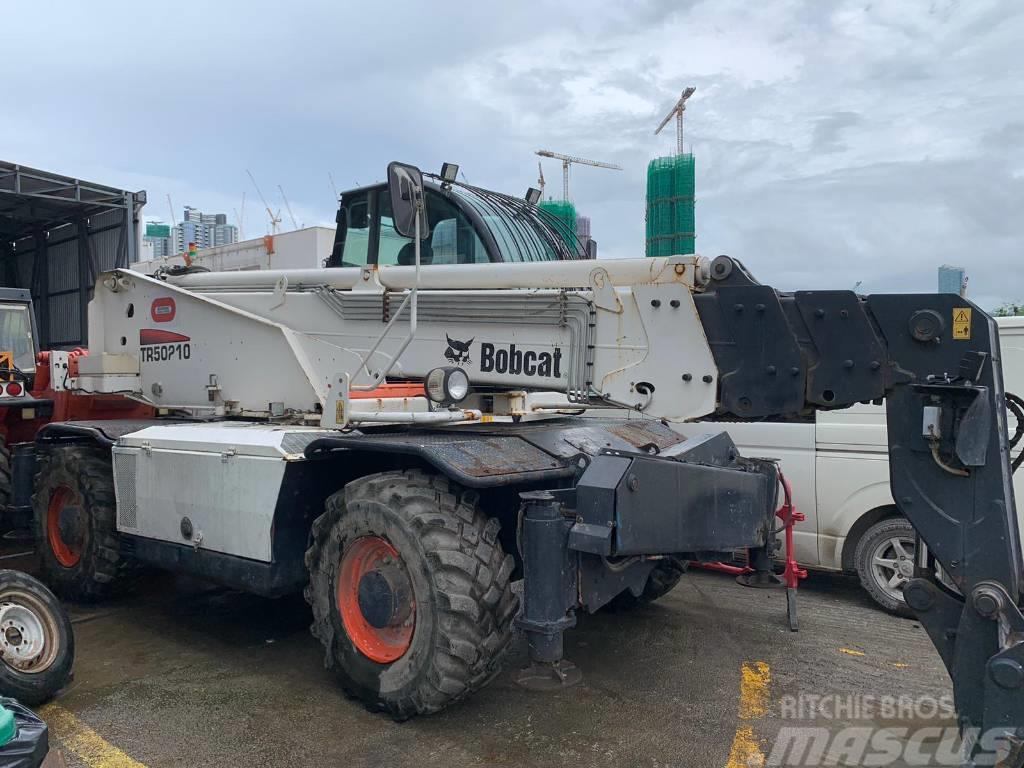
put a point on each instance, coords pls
(835, 142)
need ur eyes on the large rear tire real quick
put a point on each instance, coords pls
(410, 592)
(75, 520)
(37, 646)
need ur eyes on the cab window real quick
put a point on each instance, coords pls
(366, 234)
(352, 238)
(16, 345)
(452, 237)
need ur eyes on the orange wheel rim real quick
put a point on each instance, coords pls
(64, 530)
(375, 599)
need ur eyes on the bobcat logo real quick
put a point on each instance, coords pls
(458, 351)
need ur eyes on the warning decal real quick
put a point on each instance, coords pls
(962, 323)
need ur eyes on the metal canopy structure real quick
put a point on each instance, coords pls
(56, 235)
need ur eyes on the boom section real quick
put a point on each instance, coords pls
(272, 343)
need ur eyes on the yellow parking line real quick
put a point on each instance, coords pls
(89, 746)
(755, 678)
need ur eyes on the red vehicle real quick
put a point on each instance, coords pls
(33, 393)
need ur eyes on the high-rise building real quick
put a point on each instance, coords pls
(158, 235)
(205, 230)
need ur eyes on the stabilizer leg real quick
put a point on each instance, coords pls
(549, 593)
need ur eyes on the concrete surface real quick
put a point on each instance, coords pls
(182, 674)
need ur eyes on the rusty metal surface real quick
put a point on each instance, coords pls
(488, 456)
(640, 433)
(504, 454)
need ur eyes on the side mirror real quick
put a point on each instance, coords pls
(405, 183)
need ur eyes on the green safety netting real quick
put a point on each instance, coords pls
(564, 213)
(670, 202)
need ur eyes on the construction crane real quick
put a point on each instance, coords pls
(288, 206)
(170, 206)
(275, 219)
(540, 179)
(568, 160)
(240, 218)
(677, 111)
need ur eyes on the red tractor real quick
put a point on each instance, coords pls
(33, 393)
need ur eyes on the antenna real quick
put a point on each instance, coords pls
(275, 219)
(568, 160)
(677, 110)
(287, 205)
(334, 187)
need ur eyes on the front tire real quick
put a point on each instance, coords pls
(410, 592)
(75, 519)
(37, 646)
(885, 562)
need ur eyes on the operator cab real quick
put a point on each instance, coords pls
(18, 344)
(467, 225)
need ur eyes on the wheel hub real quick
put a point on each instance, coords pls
(375, 599)
(892, 564)
(65, 527)
(384, 596)
(24, 638)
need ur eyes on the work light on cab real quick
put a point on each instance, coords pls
(446, 385)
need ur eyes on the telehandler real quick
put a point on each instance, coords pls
(401, 441)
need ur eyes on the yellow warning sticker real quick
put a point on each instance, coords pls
(962, 323)
(339, 411)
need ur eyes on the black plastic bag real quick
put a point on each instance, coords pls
(31, 742)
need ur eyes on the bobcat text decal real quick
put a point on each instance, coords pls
(519, 362)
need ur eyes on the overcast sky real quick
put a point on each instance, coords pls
(836, 142)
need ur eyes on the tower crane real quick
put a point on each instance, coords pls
(240, 218)
(677, 111)
(275, 219)
(170, 206)
(287, 205)
(568, 160)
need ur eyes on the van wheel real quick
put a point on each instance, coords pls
(885, 562)
(37, 647)
(76, 528)
(410, 592)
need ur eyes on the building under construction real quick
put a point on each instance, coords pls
(671, 194)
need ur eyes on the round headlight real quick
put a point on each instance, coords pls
(457, 384)
(434, 385)
(446, 385)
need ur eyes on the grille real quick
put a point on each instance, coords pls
(124, 489)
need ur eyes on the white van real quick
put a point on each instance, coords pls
(838, 466)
